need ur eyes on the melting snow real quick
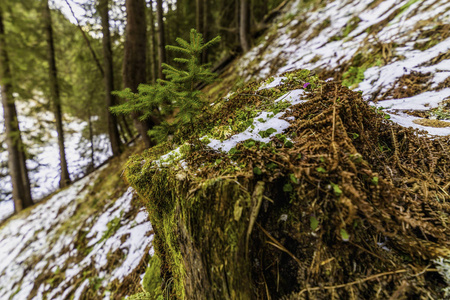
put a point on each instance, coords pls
(312, 50)
(45, 179)
(262, 122)
(41, 242)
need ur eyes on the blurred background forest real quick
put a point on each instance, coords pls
(61, 59)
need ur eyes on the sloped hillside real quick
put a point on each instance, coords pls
(291, 185)
(91, 240)
(395, 52)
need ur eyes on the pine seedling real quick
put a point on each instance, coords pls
(178, 91)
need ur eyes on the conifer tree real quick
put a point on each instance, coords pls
(178, 91)
(55, 95)
(108, 74)
(161, 37)
(16, 151)
(135, 63)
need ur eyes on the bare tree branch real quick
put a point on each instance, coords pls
(99, 66)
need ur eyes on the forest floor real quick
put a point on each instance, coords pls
(90, 240)
(396, 54)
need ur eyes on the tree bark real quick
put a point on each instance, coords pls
(134, 63)
(199, 15)
(152, 52)
(202, 24)
(55, 96)
(244, 25)
(126, 127)
(114, 137)
(21, 191)
(205, 30)
(161, 38)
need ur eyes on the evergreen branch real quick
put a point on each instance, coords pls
(211, 42)
(184, 44)
(178, 49)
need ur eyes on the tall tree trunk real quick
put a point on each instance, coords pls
(114, 137)
(202, 24)
(161, 37)
(244, 25)
(237, 16)
(199, 15)
(205, 31)
(55, 96)
(134, 63)
(91, 166)
(152, 44)
(16, 152)
(126, 127)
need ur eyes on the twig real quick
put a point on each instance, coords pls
(363, 280)
(257, 96)
(334, 114)
(278, 245)
(99, 66)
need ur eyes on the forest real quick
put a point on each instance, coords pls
(59, 68)
(241, 149)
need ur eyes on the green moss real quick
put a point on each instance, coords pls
(364, 60)
(16, 292)
(431, 37)
(353, 77)
(197, 215)
(112, 228)
(351, 25)
(152, 278)
(58, 276)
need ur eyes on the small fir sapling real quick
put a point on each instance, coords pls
(177, 93)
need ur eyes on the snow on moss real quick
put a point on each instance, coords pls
(262, 122)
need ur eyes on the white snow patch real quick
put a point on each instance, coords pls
(262, 122)
(22, 240)
(276, 82)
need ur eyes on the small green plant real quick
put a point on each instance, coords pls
(375, 180)
(177, 93)
(112, 227)
(313, 222)
(267, 133)
(257, 171)
(344, 235)
(321, 170)
(353, 76)
(288, 188)
(336, 189)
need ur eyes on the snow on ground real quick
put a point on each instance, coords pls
(43, 245)
(44, 178)
(313, 45)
